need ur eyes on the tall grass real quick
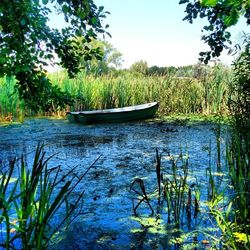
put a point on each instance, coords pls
(238, 160)
(175, 194)
(205, 94)
(176, 95)
(232, 213)
(31, 202)
(10, 105)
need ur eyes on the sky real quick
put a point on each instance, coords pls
(153, 31)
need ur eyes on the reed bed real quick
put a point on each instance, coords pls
(207, 94)
(10, 105)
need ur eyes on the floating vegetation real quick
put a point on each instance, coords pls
(188, 193)
(177, 205)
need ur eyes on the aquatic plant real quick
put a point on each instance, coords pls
(173, 191)
(234, 219)
(231, 234)
(139, 189)
(186, 95)
(177, 192)
(230, 207)
(30, 202)
(239, 170)
(176, 95)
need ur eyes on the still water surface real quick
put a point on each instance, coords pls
(127, 150)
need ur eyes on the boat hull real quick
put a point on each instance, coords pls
(132, 113)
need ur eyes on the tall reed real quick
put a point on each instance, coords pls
(180, 199)
(216, 87)
(187, 95)
(177, 192)
(176, 95)
(10, 105)
(29, 206)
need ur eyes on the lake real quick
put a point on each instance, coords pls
(127, 151)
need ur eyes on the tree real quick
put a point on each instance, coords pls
(28, 44)
(140, 67)
(220, 14)
(108, 57)
(161, 71)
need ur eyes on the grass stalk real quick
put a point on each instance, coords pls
(35, 199)
(176, 95)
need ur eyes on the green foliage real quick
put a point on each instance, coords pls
(239, 168)
(29, 203)
(228, 229)
(160, 71)
(28, 44)
(45, 97)
(139, 67)
(172, 188)
(190, 90)
(240, 88)
(220, 16)
(102, 62)
(176, 190)
(10, 104)
(233, 218)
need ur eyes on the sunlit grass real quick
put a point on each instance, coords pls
(10, 105)
(183, 95)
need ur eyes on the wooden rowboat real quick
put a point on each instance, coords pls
(131, 113)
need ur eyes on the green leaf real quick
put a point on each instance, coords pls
(59, 198)
(209, 3)
(101, 8)
(183, 1)
(45, 1)
(23, 22)
(65, 9)
(94, 20)
(229, 209)
(232, 19)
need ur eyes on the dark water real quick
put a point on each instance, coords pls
(127, 151)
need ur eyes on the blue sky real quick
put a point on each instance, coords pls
(153, 31)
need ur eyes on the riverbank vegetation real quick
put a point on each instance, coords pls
(196, 89)
(27, 90)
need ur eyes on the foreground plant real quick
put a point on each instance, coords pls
(232, 235)
(28, 205)
(182, 198)
(231, 212)
(173, 190)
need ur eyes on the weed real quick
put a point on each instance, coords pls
(28, 206)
